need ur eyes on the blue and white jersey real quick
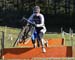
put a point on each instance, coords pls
(38, 19)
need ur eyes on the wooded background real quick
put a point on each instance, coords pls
(58, 13)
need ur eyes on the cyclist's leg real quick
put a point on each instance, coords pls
(33, 38)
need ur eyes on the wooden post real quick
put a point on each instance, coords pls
(63, 37)
(71, 36)
(2, 43)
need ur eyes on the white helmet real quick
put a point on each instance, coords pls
(36, 9)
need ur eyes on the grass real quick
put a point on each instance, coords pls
(9, 33)
(12, 33)
(48, 36)
(54, 58)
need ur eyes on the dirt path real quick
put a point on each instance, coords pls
(51, 42)
(30, 52)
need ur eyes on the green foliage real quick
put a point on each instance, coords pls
(47, 6)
